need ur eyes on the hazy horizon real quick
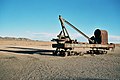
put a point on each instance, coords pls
(38, 19)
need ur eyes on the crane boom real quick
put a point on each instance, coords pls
(75, 29)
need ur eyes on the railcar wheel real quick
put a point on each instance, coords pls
(55, 53)
(105, 52)
(92, 53)
(65, 54)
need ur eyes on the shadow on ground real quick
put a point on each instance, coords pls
(28, 51)
(24, 50)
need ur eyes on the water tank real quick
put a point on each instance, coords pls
(104, 37)
(100, 37)
(97, 36)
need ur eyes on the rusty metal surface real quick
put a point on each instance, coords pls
(64, 44)
(104, 37)
(67, 45)
(89, 45)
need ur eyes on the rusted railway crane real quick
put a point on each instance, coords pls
(65, 46)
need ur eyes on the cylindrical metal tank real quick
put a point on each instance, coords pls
(100, 37)
(104, 37)
(97, 35)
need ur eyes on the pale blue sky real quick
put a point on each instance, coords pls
(38, 19)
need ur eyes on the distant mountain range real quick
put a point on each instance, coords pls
(13, 38)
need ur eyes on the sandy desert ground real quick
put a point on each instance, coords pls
(33, 60)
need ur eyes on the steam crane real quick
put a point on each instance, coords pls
(65, 46)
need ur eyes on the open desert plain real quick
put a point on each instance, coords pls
(33, 60)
